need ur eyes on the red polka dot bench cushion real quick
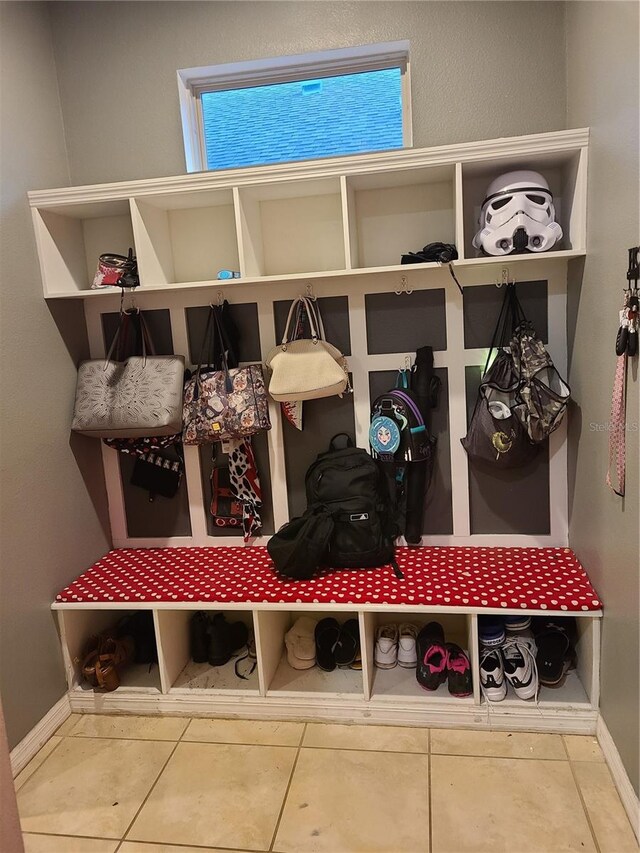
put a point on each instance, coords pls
(532, 578)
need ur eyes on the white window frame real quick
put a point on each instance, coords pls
(193, 82)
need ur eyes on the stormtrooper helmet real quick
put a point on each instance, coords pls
(517, 215)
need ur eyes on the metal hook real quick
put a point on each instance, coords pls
(504, 278)
(407, 362)
(132, 308)
(404, 288)
(309, 292)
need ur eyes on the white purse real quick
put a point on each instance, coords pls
(306, 369)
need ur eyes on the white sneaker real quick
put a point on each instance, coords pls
(519, 661)
(407, 656)
(386, 653)
(492, 680)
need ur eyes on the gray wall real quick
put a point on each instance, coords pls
(478, 70)
(602, 41)
(50, 529)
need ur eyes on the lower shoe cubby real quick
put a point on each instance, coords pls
(280, 678)
(78, 627)
(399, 683)
(182, 675)
(578, 689)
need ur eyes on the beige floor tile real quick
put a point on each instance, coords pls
(66, 844)
(497, 744)
(67, 727)
(36, 761)
(221, 795)
(141, 847)
(381, 738)
(488, 804)
(265, 733)
(137, 728)
(343, 801)
(91, 786)
(608, 817)
(583, 748)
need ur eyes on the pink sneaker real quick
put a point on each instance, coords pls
(458, 671)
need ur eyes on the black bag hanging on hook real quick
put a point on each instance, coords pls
(496, 435)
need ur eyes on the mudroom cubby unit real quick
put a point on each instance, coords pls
(185, 237)
(77, 627)
(335, 217)
(400, 684)
(181, 675)
(391, 213)
(71, 237)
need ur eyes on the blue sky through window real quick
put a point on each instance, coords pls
(323, 117)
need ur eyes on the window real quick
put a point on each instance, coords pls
(338, 102)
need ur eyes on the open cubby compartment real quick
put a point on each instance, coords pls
(400, 684)
(392, 213)
(580, 689)
(185, 237)
(292, 227)
(71, 238)
(77, 626)
(181, 675)
(280, 679)
(566, 172)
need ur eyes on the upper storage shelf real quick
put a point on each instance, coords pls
(340, 216)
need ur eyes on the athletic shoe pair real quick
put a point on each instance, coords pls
(514, 662)
(439, 662)
(396, 644)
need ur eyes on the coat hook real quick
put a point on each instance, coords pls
(504, 278)
(407, 362)
(310, 292)
(404, 287)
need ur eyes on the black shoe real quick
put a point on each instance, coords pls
(199, 637)
(555, 641)
(431, 670)
(348, 644)
(327, 633)
(458, 671)
(140, 627)
(225, 638)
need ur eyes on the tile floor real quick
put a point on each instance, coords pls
(173, 785)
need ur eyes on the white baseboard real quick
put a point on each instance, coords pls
(22, 754)
(619, 774)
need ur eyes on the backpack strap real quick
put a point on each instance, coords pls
(341, 441)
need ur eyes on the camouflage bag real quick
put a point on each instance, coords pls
(543, 394)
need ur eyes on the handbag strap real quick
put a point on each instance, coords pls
(212, 330)
(617, 437)
(303, 303)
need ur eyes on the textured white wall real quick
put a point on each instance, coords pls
(49, 527)
(479, 70)
(603, 92)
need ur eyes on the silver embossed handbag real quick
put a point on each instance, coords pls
(306, 369)
(138, 396)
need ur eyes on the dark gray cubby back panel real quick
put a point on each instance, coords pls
(322, 419)
(163, 517)
(245, 317)
(438, 515)
(514, 500)
(403, 322)
(334, 311)
(159, 325)
(260, 448)
(482, 308)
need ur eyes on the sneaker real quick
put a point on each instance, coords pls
(386, 652)
(431, 669)
(556, 653)
(491, 631)
(518, 622)
(492, 681)
(407, 656)
(225, 638)
(300, 643)
(519, 662)
(458, 671)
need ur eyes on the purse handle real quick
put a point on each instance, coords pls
(316, 325)
(213, 329)
(145, 338)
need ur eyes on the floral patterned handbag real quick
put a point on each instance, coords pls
(223, 404)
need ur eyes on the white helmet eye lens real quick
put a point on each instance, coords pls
(500, 202)
(537, 199)
(536, 241)
(504, 244)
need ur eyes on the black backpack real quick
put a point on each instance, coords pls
(344, 485)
